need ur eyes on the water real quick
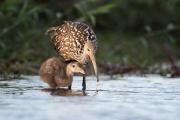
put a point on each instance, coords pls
(127, 98)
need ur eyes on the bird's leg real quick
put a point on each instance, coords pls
(69, 87)
(84, 82)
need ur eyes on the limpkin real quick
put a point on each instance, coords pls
(57, 73)
(75, 41)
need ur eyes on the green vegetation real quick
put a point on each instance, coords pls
(129, 31)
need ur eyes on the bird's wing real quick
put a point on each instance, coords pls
(69, 39)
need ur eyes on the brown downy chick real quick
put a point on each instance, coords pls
(57, 73)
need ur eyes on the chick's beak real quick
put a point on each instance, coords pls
(81, 71)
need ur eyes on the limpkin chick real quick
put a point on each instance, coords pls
(57, 73)
(75, 41)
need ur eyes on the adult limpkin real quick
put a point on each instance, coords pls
(75, 41)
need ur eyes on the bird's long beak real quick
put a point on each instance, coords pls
(93, 60)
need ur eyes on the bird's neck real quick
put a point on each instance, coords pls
(83, 59)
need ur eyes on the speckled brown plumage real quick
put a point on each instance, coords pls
(69, 39)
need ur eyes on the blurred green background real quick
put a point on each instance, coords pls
(141, 32)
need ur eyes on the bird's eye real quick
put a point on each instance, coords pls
(73, 66)
(88, 49)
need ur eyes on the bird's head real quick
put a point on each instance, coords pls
(75, 67)
(89, 55)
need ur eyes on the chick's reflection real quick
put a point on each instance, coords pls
(64, 92)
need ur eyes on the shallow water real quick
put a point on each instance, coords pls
(126, 98)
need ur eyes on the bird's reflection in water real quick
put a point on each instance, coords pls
(64, 92)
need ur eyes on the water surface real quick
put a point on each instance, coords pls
(124, 98)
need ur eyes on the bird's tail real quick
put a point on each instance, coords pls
(51, 30)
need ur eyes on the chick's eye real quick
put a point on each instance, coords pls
(88, 49)
(73, 66)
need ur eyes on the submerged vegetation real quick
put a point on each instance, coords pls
(137, 32)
